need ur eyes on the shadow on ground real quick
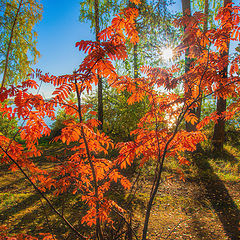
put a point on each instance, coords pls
(218, 195)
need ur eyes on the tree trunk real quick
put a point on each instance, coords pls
(100, 84)
(219, 128)
(135, 60)
(135, 48)
(10, 44)
(99, 235)
(100, 103)
(186, 8)
(206, 12)
(205, 28)
(129, 233)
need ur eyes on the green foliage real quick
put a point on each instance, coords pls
(156, 30)
(154, 25)
(214, 5)
(18, 36)
(62, 116)
(119, 117)
(8, 127)
(107, 8)
(233, 137)
(58, 124)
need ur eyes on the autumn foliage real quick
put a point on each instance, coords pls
(87, 170)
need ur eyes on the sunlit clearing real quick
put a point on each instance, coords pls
(167, 54)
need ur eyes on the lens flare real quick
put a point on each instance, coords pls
(167, 54)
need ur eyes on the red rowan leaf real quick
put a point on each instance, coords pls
(136, 1)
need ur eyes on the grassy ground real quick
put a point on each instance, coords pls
(204, 206)
(23, 211)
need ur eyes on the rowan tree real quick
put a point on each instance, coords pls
(84, 172)
(155, 140)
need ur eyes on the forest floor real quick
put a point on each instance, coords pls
(205, 205)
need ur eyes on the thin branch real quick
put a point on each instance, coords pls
(43, 196)
(98, 226)
(25, 119)
(175, 228)
(47, 220)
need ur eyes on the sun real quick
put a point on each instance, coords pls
(167, 54)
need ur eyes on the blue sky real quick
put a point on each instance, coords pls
(58, 31)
